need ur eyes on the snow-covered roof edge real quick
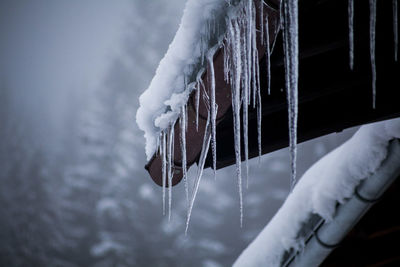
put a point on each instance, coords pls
(331, 180)
(202, 26)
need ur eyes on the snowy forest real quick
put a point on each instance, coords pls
(73, 188)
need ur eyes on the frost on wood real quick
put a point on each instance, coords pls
(329, 181)
(291, 50)
(372, 26)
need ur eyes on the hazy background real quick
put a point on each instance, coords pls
(73, 190)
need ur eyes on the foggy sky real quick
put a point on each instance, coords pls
(52, 50)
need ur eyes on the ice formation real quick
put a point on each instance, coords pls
(202, 160)
(241, 69)
(170, 152)
(372, 26)
(183, 128)
(291, 50)
(164, 166)
(213, 109)
(165, 101)
(395, 30)
(351, 33)
(206, 26)
(330, 181)
(199, 30)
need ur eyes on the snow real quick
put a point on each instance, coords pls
(181, 63)
(330, 181)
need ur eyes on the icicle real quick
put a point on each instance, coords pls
(259, 121)
(290, 10)
(372, 25)
(257, 89)
(262, 21)
(351, 33)
(213, 113)
(259, 108)
(246, 51)
(170, 154)
(183, 124)
(254, 58)
(395, 30)
(164, 167)
(226, 58)
(236, 114)
(158, 146)
(268, 54)
(200, 85)
(245, 93)
(203, 155)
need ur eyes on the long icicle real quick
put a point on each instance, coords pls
(203, 155)
(351, 33)
(183, 126)
(291, 70)
(248, 48)
(164, 167)
(236, 115)
(253, 49)
(268, 54)
(372, 26)
(170, 173)
(259, 121)
(395, 30)
(213, 113)
(262, 22)
(245, 52)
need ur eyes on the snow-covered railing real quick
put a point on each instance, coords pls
(332, 180)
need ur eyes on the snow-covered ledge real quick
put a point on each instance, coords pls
(331, 180)
(201, 27)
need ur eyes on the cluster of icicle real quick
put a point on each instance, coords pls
(241, 71)
(372, 33)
